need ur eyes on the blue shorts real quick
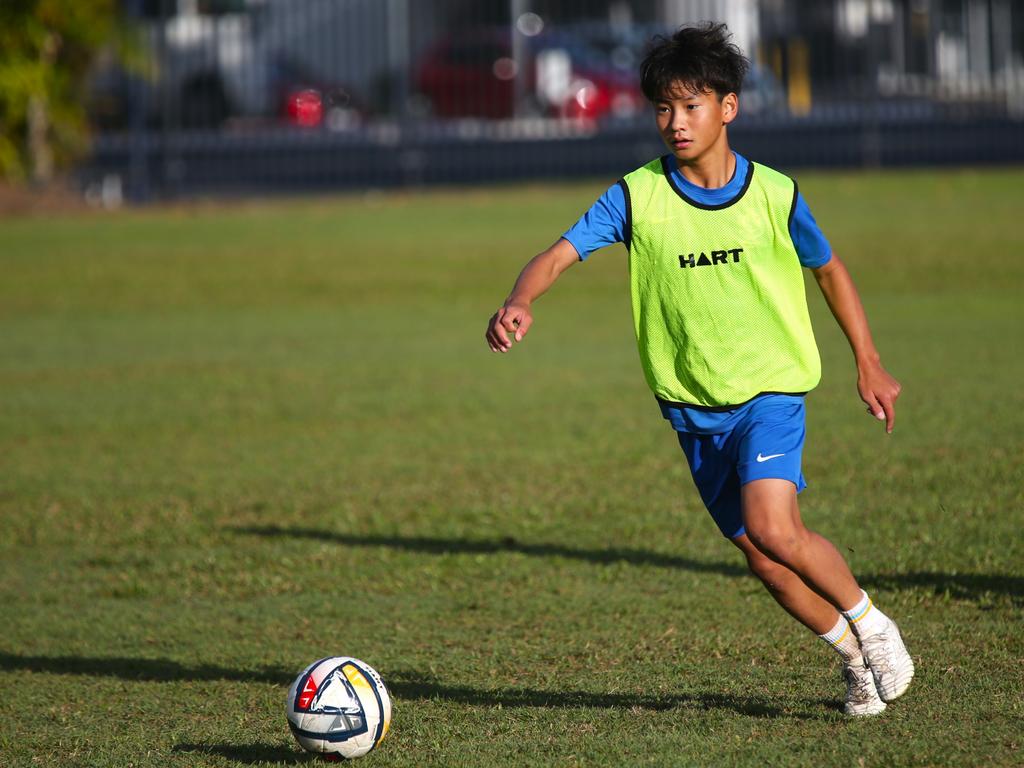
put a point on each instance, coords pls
(767, 442)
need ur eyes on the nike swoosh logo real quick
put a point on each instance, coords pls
(761, 458)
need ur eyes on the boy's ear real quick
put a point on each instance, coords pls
(730, 107)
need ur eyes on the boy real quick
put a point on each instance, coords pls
(716, 244)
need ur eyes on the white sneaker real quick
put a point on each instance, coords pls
(891, 665)
(861, 694)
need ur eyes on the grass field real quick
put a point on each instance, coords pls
(234, 439)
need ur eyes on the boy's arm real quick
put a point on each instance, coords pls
(877, 388)
(537, 276)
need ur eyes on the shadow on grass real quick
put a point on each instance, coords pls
(440, 546)
(959, 586)
(143, 670)
(249, 754)
(409, 686)
(962, 586)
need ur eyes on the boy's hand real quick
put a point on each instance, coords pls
(514, 319)
(537, 276)
(879, 391)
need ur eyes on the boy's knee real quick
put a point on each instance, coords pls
(782, 543)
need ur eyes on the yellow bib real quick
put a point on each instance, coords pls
(719, 306)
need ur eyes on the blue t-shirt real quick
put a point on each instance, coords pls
(605, 223)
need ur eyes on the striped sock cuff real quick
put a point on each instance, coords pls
(842, 640)
(836, 635)
(860, 610)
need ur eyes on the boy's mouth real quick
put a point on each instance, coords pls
(681, 143)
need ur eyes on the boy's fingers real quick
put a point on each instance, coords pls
(498, 329)
(509, 320)
(497, 337)
(505, 322)
(890, 414)
(883, 409)
(489, 335)
(874, 407)
(524, 325)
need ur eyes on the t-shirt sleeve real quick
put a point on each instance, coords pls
(811, 245)
(603, 224)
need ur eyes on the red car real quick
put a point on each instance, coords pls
(475, 75)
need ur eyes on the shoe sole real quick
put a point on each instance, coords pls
(865, 713)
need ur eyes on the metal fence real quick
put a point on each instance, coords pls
(276, 95)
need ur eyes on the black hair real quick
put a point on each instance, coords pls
(699, 57)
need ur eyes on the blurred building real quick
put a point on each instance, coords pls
(247, 94)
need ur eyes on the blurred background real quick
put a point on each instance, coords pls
(154, 99)
(261, 428)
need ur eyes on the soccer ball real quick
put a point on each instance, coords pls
(339, 708)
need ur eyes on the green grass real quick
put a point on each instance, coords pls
(234, 439)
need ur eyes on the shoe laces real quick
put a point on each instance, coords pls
(859, 685)
(879, 648)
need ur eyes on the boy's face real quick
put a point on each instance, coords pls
(692, 123)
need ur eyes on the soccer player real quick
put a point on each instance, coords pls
(716, 243)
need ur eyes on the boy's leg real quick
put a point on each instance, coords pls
(772, 522)
(771, 517)
(712, 460)
(818, 615)
(789, 590)
(712, 463)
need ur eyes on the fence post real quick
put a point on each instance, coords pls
(516, 9)
(398, 57)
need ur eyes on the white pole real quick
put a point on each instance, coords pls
(516, 10)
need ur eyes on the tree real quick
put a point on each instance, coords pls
(46, 50)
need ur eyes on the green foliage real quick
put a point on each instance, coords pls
(46, 49)
(236, 439)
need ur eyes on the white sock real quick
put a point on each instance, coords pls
(865, 619)
(843, 641)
